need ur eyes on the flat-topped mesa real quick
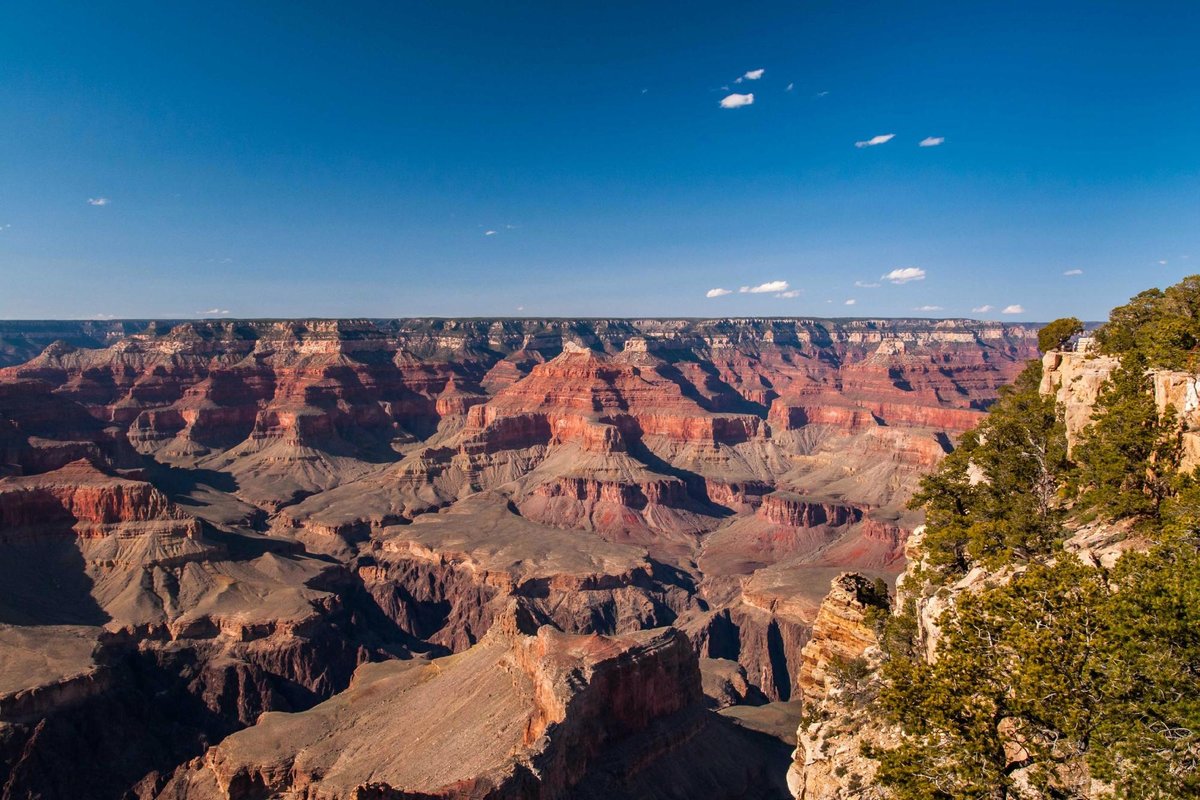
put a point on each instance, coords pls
(793, 510)
(618, 507)
(92, 503)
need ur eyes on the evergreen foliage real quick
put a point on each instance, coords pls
(1058, 333)
(1059, 673)
(1127, 457)
(994, 498)
(1066, 673)
(1161, 326)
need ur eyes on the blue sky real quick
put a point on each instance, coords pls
(571, 158)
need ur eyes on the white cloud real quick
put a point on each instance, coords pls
(789, 87)
(104, 316)
(867, 284)
(851, 302)
(1015, 308)
(489, 233)
(905, 274)
(98, 201)
(983, 309)
(1163, 262)
(213, 312)
(754, 74)
(882, 138)
(822, 94)
(932, 141)
(1073, 272)
(928, 308)
(718, 292)
(789, 293)
(766, 288)
(736, 100)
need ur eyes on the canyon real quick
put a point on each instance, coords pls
(509, 558)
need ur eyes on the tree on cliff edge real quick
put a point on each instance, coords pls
(1058, 333)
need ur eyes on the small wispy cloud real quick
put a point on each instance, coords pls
(213, 312)
(104, 316)
(489, 233)
(931, 141)
(754, 74)
(928, 308)
(822, 94)
(1015, 308)
(1073, 272)
(98, 201)
(736, 100)
(718, 292)
(983, 309)
(789, 293)
(766, 288)
(789, 87)
(867, 284)
(5, 227)
(904, 275)
(882, 138)
(851, 302)
(1163, 262)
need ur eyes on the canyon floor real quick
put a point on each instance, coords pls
(447, 558)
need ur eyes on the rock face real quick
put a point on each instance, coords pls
(1180, 391)
(203, 522)
(842, 631)
(1075, 380)
(842, 651)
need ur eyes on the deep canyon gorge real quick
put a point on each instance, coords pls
(451, 558)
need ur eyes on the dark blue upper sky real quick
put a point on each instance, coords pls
(572, 158)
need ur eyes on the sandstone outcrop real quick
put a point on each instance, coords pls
(842, 632)
(836, 668)
(1075, 380)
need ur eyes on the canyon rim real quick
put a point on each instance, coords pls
(599, 401)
